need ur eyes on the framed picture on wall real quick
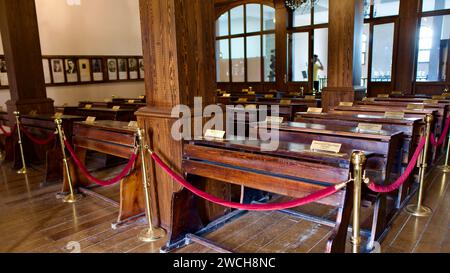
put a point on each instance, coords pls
(97, 69)
(46, 67)
(112, 69)
(3, 73)
(133, 68)
(57, 68)
(141, 69)
(123, 71)
(71, 70)
(85, 70)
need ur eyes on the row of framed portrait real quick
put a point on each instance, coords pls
(69, 70)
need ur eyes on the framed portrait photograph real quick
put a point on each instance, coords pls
(71, 70)
(112, 69)
(97, 69)
(85, 70)
(141, 69)
(123, 71)
(57, 68)
(46, 67)
(3, 73)
(133, 68)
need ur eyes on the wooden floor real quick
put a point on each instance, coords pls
(32, 219)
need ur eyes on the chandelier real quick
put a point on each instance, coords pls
(295, 4)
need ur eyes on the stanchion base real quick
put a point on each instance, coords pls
(417, 211)
(72, 198)
(444, 168)
(151, 235)
(22, 171)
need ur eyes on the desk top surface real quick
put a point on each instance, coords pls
(362, 118)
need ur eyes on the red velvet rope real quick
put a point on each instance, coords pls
(97, 181)
(402, 179)
(443, 135)
(10, 133)
(50, 137)
(264, 207)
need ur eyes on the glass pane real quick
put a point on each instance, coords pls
(223, 61)
(237, 60)
(302, 16)
(320, 58)
(386, 8)
(383, 42)
(222, 25)
(253, 17)
(429, 5)
(254, 58)
(269, 18)
(269, 57)
(321, 12)
(237, 20)
(367, 9)
(433, 48)
(365, 54)
(300, 60)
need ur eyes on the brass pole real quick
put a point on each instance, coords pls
(150, 234)
(419, 209)
(72, 197)
(24, 165)
(446, 167)
(358, 162)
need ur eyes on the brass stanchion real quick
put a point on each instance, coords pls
(446, 167)
(72, 197)
(24, 165)
(150, 234)
(419, 209)
(358, 162)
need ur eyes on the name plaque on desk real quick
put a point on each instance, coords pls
(115, 108)
(415, 106)
(370, 127)
(242, 100)
(133, 124)
(215, 134)
(245, 90)
(142, 97)
(345, 103)
(314, 110)
(130, 101)
(431, 101)
(251, 107)
(90, 120)
(394, 115)
(446, 95)
(323, 146)
(310, 97)
(383, 96)
(438, 97)
(274, 120)
(285, 102)
(88, 106)
(397, 93)
(226, 95)
(251, 93)
(369, 99)
(269, 96)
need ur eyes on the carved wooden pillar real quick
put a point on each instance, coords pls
(344, 52)
(20, 37)
(178, 44)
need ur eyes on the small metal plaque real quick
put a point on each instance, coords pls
(215, 134)
(370, 127)
(251, 93)
(142, 97)
(115, 108)
(314, 110)
(345, 103)
(326, 146)
(269, 96)
(414, 106)
(225, 95)
(251, 107)
(90, 120)
(369, 99)
(285, 102)
(383, 96)
(242, 100)
(431, 101)
(394, 115)
(88, 106)
(310, 97)
(275, 120)
(130, 101)
(438, 97)
(245, 90)
(397, 93)
(133, 124)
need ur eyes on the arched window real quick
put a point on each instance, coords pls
(245, 46)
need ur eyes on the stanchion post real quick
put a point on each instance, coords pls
(358, 162)
(23, 170)
(72, 197)
(446, 167)
(419, 209)
(150, 234)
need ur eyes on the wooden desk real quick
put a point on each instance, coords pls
(309, 103)
(102, 113)
(287, 111)
(122, 100)
(117, 139)
(291, 171)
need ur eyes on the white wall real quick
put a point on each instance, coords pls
(96, 27)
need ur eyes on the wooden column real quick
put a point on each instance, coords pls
(281, 43)
(178, 39)
(344, 52)
(20, 37)
(405, 62)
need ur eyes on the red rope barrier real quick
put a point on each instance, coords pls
(8, 134)
(50, 137)
(265, 207)
(402, 179)
(97, 181)
(443, 135)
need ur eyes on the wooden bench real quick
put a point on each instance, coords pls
(102, 113)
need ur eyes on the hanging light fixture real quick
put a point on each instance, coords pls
(295, 4)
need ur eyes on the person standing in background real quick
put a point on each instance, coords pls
(317, 65)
